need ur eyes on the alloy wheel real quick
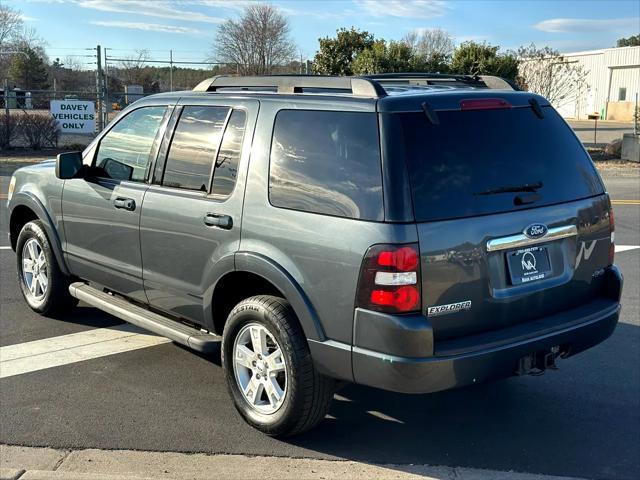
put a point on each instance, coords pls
(260, 368)
(35, 271)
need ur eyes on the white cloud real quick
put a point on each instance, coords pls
(318, 15)
(150, 27)
(160, 9)
(583, 25)
(226, 4)
(404, 8)
(471, 38)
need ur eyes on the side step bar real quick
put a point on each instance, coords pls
(127, 311)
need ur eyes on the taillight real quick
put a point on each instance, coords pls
(484, 104)
(612, 228)
(390, 279)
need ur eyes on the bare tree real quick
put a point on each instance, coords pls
(546, 72)
(131, 68)
(10, 24)
(430, 43)
(256, 42)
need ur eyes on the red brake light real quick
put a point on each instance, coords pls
(484, 104)
(404, 299)
(390, 279)
(404, 259)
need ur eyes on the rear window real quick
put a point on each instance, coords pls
(327, 162)
(459, 167)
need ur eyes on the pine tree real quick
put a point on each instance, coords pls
(29, 71)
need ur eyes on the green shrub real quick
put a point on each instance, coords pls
(39, 130)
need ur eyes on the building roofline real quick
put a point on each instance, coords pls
(596, 52)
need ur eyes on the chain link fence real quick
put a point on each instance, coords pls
(22, 112)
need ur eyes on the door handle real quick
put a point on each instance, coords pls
(221, 221)
(125, 203)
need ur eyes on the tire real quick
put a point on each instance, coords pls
(305, 394)
(44, 297)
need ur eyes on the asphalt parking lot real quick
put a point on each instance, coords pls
(582, 421)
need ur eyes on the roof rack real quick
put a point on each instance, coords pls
(357, 86)
(435, 79)
(367, 86)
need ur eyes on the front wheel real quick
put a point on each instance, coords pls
(269, 369)
(44, 287)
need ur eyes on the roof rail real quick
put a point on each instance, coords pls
(358, 86)
(482, 81)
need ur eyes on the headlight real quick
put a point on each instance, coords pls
(12, 186)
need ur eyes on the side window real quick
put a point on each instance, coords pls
(193, 147)
(224, 176)
(327, 162)
(123, 153)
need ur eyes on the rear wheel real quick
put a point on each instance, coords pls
(269, 370)
(44, 287)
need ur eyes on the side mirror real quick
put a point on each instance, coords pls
(68, 165)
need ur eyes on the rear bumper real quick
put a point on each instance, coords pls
(483, 357)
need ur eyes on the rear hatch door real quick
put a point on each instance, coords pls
(512, 218)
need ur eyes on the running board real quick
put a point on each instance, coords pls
(143, 318)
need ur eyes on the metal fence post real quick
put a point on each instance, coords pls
(636, 118)
(171, 70)
(6, 98)
(99, 89)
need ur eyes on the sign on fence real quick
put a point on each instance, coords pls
(74, 116)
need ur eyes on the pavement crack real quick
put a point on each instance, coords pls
(62, 459)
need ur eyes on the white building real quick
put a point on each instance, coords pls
(612, 84)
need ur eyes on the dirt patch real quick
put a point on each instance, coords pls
(23, 155)
(617, 168)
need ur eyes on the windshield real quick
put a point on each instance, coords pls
(489, 161)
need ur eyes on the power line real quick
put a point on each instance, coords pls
(163, 61)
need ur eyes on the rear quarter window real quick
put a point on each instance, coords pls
(453, 165)
(327, 162)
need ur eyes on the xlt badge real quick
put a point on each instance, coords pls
(449, 308)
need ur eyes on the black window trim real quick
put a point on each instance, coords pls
(155, 145)
(210, 193)
(215, 160)
(268, 180)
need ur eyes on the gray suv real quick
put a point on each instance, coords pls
(408, 232)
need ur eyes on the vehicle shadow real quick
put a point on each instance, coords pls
(583, 420)
(87, 316)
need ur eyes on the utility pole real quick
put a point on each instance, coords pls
(107, 108)
(171, 70)
(99, 89)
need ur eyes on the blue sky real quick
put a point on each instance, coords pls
(188, 26)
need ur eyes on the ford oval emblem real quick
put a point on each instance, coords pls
(536, 230)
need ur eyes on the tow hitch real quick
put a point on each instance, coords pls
(536, 363)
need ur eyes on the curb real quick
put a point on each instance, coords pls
(36, 463)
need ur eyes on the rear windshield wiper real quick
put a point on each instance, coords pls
(527, 187)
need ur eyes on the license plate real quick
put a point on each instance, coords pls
(528, 265)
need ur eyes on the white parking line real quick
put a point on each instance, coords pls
(624, 248)
(5, 248)
(76, 347)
